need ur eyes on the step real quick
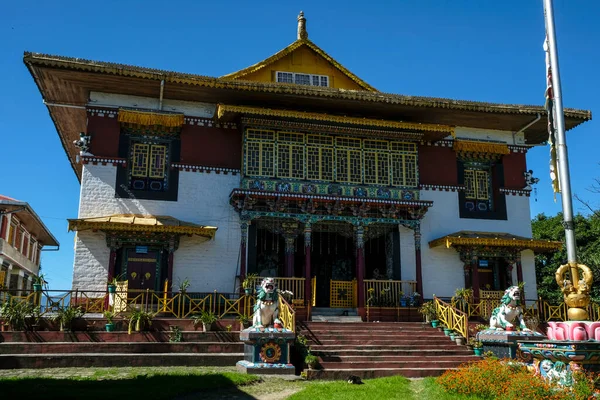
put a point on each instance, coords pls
(371, 373)
(339, 319)
(376, 347)
(396, 358)
(423, 363)
(398, 341)
(334, 311)
(352, 352)
(119, 336)
(85, 360)
(119, 347)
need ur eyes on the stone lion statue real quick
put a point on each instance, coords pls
(266, 308)
(509, 312)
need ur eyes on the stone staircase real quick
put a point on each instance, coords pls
(324, 314)
(373, 350)
(94, 348)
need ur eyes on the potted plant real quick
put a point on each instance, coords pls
(460, 340)
(248, 283)
(112, 283)
(447, 331)
(477, 346)
(461, 298)
(244, 320)
(207, 318)
(402, 299)
(414, 299)
(184, 285)
(139, 320)
(428, 311)
(38, 282)
(15, 313)
(65, 316)
(312, 361)
(109, 315)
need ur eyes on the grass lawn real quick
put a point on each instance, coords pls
(189, 383)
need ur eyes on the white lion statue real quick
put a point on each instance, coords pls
(266, 309)
(509, 312)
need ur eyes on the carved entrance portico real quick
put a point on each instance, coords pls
(294, 215)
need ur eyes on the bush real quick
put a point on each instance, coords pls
(492, 378)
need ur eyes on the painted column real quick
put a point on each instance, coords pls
(418, 271)
(243, 249)
(475, 270)
(360, 267)
(112, 260)
(307, 271)
(173, 243)
(290, 251)
(8, 275)
(519, 269)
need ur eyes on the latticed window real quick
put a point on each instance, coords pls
(302, 79)
(319, 157)
(348, 160)
(290, 155)
(478, 185)
(403, 157)
(149, 166)
(260, 148)
(377, 161)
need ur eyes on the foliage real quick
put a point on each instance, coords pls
(311, 360)
(393, 387)
(65, 316)
(38, 279)
(15, 312)
(110, 316)
(249, 281)
(139, 319)
(428, 310)
(116, 279)
(244, 319)
(462, 295)
(481, 327)
(301, 345)
(175, 334)
(496, 379)
(587, 237)
(184, 285)
(476, 344)
(205, 317)
(382, 299)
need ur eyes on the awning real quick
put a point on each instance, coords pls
(495, 239)
(142, 224)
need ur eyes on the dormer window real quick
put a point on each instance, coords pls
(302, 79)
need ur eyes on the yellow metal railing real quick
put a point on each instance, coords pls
(287, 315)
(388, 293)
(451, 317)
(294, 285)
(342, 294)
(313, 291)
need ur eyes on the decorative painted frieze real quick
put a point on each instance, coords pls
(209, 123)
(439, 143)
(518, 149)
(103, 112)
(516, 192)
(445, 188)
(204, 169)
(115, 161)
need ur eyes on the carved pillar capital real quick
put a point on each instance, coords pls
(244, 224)
(307, 234)
(289, 243)
(359, 236)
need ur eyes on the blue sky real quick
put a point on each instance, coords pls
(462, 49)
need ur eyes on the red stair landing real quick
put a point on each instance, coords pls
(373, 350)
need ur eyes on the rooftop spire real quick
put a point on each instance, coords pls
(302, 34)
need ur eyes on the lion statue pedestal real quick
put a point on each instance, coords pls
(267, 343)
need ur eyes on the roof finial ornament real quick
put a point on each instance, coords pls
(302, 34)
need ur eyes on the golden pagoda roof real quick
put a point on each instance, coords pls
(142, 224)
(290, 49)
(495, 239)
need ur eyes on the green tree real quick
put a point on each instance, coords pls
(587, 237)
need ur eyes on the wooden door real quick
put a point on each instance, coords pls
(141, 269)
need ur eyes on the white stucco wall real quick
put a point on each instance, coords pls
(489, 135)
(442, 269)
(203, 199)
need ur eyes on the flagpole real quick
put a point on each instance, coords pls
(561, 143)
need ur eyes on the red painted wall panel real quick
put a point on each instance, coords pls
(514, 167)
(437, 166)
(105, 136)
(212, 147)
